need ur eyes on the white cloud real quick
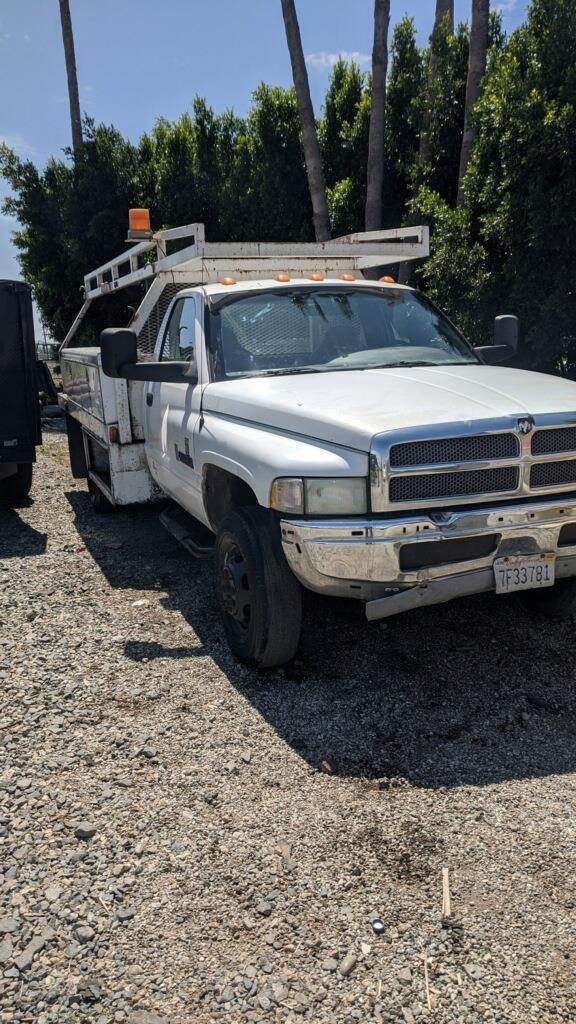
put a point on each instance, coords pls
(18, 144)
(506, 6)
(323, 61)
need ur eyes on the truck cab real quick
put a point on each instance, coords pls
(323, 430)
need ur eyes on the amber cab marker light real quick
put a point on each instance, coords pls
(282, 278)
(316, 277)
(386, 279)
(347, 277)
(228, 280)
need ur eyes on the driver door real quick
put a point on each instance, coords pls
(173, 410)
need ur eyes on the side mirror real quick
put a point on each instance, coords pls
(118, 349)
(119, 353)
(506, 331)
(505, 341)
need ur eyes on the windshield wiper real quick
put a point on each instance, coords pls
(388, 366)
(418, 362)
(289, 371)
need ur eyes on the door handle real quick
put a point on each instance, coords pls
(149, 397)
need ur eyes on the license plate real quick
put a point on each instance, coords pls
(523, 572)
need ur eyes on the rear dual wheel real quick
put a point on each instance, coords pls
(98, 499)
(259, 598)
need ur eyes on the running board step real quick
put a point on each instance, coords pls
(192, 535)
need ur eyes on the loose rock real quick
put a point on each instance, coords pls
(347, 965)
(85, 830)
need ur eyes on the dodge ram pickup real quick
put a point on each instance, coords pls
(315, 428)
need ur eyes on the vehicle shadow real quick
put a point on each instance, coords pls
(53, 421)
(17, 538)
(469, 693)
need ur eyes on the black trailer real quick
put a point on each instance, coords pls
(20, 428)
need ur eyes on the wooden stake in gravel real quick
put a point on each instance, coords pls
(446, 905)
(427, 981)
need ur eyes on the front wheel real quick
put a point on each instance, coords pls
(259, 598)
(557, 602)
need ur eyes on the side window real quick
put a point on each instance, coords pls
(180, 332)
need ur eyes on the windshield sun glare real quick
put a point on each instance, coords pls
(319, 330)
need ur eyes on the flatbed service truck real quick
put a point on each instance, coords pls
(315, 427)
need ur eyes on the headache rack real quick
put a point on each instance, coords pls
(152, 263)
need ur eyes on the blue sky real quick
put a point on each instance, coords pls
(138, 59)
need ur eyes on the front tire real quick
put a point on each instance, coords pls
(259, 598)
(16, 488)
(557, 602)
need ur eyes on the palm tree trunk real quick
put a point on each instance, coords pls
(444, 10)
(310, 143)
(69, 55)
(476, 69)
(375, 168)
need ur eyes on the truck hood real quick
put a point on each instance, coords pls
(350, 407)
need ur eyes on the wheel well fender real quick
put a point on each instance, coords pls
(223, 492)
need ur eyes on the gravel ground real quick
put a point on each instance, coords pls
(186, 840)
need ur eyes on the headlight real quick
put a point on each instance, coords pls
(333, 496)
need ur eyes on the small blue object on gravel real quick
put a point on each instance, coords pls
(377, 925)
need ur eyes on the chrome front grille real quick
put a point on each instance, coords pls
(424, 486)
(550, 474)
(554, 441)
(444, 466)
(479, 448)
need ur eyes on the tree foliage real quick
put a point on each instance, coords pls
(404, 109)
(72, 218)
(344, 140)
(509, 248)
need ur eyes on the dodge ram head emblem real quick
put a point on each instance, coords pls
(525, 424)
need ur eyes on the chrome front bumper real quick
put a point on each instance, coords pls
(362, 558)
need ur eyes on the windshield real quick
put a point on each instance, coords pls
(315, 330)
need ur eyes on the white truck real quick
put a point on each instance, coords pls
(316, 428)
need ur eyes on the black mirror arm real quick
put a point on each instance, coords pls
(167, 372)
(494, 353)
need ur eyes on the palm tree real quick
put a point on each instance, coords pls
(445, 8)
(444, 13)
(310, 142)
(68, 40)
(375, 167)
(476, 69)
